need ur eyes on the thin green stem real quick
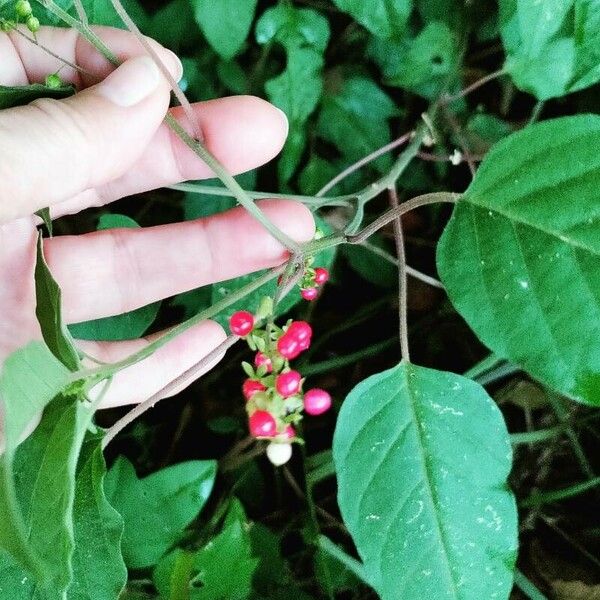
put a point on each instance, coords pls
(527, 587)
(540, 498)
(353, 565)
(312, 201)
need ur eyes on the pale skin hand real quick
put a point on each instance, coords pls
(89, 150)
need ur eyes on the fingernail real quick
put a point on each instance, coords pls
(177, 67)
(285, 119)
(132, 82)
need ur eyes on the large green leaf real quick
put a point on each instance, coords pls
(384, 18)
(99, 571)
(225, 24)
(552, 47)
(422, 64)
(221, 569)
(157, 508)
(520, 256)
(355, 119)
(48, 310)
(129, 325)
(304, 34)
(422, 458)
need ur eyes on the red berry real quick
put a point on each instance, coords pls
(301, 331)
(289, 433)
(321, 275)
(251, 387)
(288, 346)
(317, 401)
(262, 360)
(309, 293)
(262, 424)
(241, 323)
(287, 384)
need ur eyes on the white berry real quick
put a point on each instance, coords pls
(279, 453)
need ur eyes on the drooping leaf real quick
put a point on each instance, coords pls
(422, 64)
(24, 94)
(127, 326)
(225, 24)
(355, 119)
(422, 458)
(98, 568)
(48, 311)
(304, 33)
(520, 258)
(552, 47)
(157, 508)
(221, 569)
(384, 18)
(44, 482)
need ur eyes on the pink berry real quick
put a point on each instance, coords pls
(262, 360)
(251, 387)
(262, 424)
(288, 346)
(241, 323)
(289, 433)
(321, 275)
(317, 401)
(287, 384)
(309, 293)
(301, 331)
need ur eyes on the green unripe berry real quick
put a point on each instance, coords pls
(23, 8)
(33, 24)
(53, 81)
(7, 26)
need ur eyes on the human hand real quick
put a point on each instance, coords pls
(104, 143)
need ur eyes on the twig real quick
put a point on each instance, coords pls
(402, 279)
(50, 52)
(186, 377)
(364, 161)
(477, 84)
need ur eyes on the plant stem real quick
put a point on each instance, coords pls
(195, 188)
(477, 84)
(364, 161)
(185, 378)
(556, 495)
(353, 565)
(402, 278)
(527, 587)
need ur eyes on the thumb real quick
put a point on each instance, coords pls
(54, 149)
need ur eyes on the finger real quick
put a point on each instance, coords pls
(23, 62)
(144, 379)
(54, 149)
(113, 271)
(243, 132)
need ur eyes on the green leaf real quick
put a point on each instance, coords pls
(128, 326)
(552, 47)
(44, 481)
(355, 119)
(98, 568)
(304, 34)
(225, 24)
(174, 27)
(101, 12)
(48, 311)
(520, 256)
(157, 508)
(222, 569)
(422, 64)
(369, 265)
(24, 94)
(422, 458)
(253, 300)
(384, 18)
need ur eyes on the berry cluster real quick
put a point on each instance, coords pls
(311, 282)
(274, 396)
(23, 13)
